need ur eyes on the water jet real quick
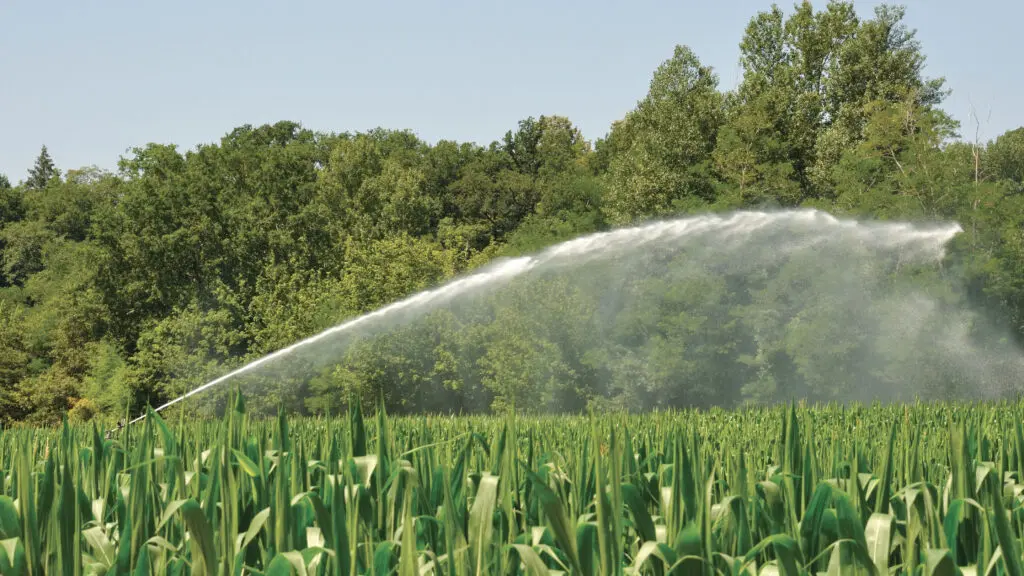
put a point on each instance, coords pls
(743, 242)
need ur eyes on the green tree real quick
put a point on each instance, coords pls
(68, 207)
(47, 397)
(68, 312)
(161, 238)
(881, 62)
(666, 143)
(291, 305)
(1004, 157)
(374, 187)
(753, 163)
(381, 272)
(132, 287)
(491, 191)
(570, 205)
(521, 146)
(561, 147)
(899, 169)
(14, 361)
(186, 349)
(42, 172)
(767, 143)
(24, 242)
(109, 382)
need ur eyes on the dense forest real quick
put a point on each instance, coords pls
(123, 288)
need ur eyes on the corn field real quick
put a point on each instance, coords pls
(900, 489)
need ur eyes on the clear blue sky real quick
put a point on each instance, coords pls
(92, 78)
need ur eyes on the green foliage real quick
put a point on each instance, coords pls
(23, 242)
(14, 358)
(909, 489)
(10, 201)
(128, 288)
(108, 382)
(43, 172)
(666, 143)
(185, 349)
(1004, 158)
(45, 398)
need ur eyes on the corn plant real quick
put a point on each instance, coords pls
(923, 489)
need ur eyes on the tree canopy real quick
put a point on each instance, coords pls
(123, 288)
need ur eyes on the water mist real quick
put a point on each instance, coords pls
(714, 309)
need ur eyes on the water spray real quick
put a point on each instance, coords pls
(797, 230)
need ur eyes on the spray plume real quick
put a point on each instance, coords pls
(770, 288)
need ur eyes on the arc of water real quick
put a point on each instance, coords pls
(579, 250)
(505, 270)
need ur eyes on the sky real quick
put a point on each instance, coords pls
(91, 79)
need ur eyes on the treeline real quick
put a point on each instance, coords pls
(127, 288)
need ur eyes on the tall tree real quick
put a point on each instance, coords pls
(809, 81)
(881, 62)
(10, 202)
(13, 361)
(1004, 158)
(42, 172)
(666, 143)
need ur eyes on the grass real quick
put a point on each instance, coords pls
(902, 489)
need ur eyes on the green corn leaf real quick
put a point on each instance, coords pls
(558, 520)
(657, 550)
(786, 550)
(10, 525)
(282, 565)
(247, 465)
(811, 524)
(530, 559)
(199, 527)
(940, 563)
(384, 557)
(885, 481)
(588, 548)
(878, 536)
(637, 507)
(1008, 542)
(481, 524)
(255, 526)
(102, 548)
(142, 565)
(13, 559)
